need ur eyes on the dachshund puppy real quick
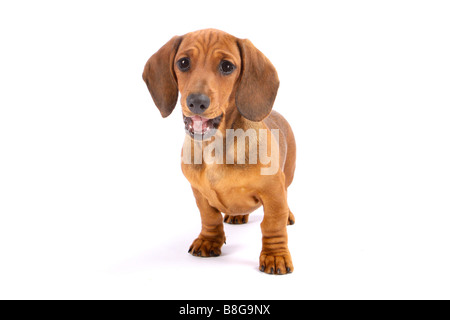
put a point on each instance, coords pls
(227, 89)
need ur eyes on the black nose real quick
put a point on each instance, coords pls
(197, 102)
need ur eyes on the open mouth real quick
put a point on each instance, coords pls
(201, 128)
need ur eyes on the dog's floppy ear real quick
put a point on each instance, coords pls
(160, 77)
(258, 85)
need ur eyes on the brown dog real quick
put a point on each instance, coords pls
(226, 83)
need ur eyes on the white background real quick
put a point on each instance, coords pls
(93, 203)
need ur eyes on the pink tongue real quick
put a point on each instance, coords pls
(199, 123)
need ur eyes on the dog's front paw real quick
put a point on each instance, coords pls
(276, 263)
(206, 248)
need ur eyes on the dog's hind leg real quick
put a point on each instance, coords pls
(291, 219)
(240, 219)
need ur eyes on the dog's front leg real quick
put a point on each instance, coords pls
(275, 256)
(212, 236)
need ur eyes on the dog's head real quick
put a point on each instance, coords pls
(215, 73)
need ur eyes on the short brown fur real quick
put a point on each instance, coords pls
(245, 99)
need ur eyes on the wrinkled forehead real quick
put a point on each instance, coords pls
(209, 43)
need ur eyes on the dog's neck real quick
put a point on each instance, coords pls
(239, 125)
(232, 120)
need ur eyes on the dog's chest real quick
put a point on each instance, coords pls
(224, 188)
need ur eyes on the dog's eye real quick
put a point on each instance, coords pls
(226, 67)
(184, 64)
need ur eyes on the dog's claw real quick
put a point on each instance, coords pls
(213, 254)
(291, 219)
(205, 248)
(276, 264)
